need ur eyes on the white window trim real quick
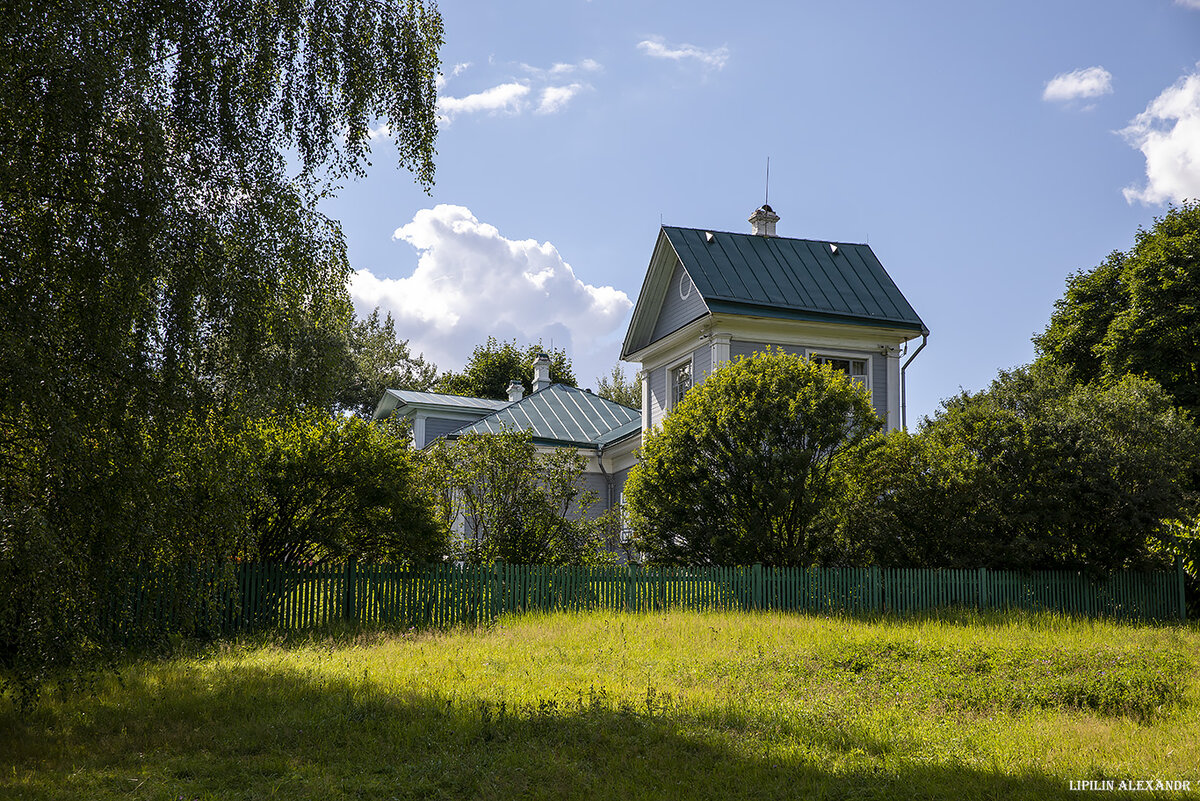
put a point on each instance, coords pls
(814, 353)
(690, 359)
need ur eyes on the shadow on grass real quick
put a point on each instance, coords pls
(286, 734)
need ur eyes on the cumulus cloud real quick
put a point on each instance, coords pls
(505, 97)
(657, 47)
(1081, 83)
(472, 282)
(555, 98)
(1168, 134)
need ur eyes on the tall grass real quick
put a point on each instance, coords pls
(603, 705)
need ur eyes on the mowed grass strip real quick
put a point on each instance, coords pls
(603, 705)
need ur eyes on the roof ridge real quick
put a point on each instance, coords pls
(748, 234)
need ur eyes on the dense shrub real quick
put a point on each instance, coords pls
(1035, 472)
(741, 471)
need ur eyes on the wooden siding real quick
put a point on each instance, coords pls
(701, 363)
(879, 385)
(677, 312)
(597, 483)
(658, 395)
(619, 479)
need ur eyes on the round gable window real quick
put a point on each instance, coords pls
(685, 286)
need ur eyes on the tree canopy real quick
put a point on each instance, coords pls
(378, 361)
(493, 364)
(1037, 472)
(511, 502)
(619, 388)
(1136, 313)
(166, 267)
(331, 487)
(740, 470)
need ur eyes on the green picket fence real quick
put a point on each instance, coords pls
(261, 596)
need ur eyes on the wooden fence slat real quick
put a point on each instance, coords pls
(251, 595)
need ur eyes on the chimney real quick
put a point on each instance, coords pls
(515, 391)
(763, 221)
(541, 372)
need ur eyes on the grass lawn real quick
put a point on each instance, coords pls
(614, 706)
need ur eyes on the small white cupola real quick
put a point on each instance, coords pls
(541, 372)
(515, 391)
(763, 220)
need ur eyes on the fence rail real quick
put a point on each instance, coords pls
(264, 596)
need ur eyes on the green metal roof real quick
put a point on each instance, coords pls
(448, 401)
(809, 279)
(404, 399)
(561, 415)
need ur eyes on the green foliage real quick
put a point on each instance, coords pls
(378, 361)
(165, 279)
(618, 388)
(335, 487)
(912, 501)
(1138, 312)
(493, 364)
(740, 471)
(164, 495)
(1036, 472)
(515, 504)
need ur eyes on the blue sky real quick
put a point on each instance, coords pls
(984, 150)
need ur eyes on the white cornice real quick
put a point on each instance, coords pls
(778, 331)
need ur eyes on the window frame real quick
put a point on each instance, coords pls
(672, 368)
(817, 355)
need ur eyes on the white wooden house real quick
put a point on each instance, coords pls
(708, 298)
(712, 296)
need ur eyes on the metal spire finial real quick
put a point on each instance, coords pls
(767, 190)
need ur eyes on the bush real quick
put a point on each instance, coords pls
(741, 470)
(1034, 473)
(513, 503)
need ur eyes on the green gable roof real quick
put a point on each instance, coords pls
(561, 415)
(749, 274)
(760, 276)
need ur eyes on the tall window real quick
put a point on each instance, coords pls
(855, 368)
(681, 382)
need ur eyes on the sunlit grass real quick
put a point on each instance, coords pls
(604, 705)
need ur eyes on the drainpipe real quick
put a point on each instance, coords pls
(904, 385)
(608, 479)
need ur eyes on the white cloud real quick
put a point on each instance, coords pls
(455, 71)
(587, 65)
(656, 47)
(1189, 4)
(1168, 134)
(514, 96)
(1087, 82)
(505, 97)
(471, 282)
(562, 69)
(555, 98)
